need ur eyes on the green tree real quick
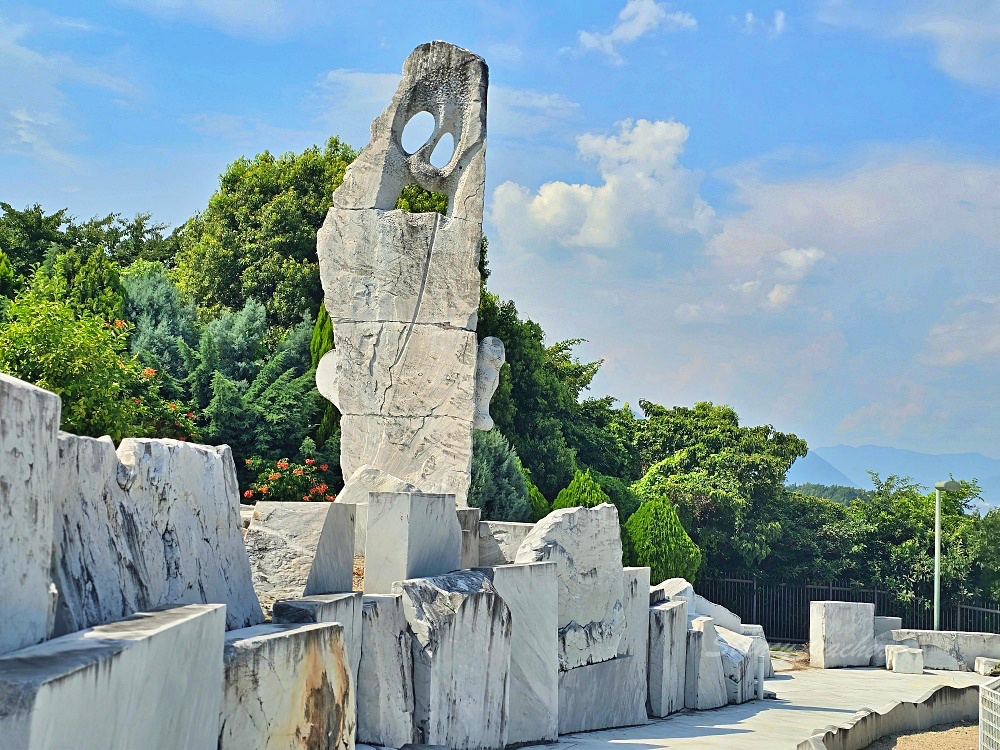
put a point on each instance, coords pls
(257, 237)
(84, 277)
(815, 542)
(84, 359)
(620, 493)
(655, 537)
(837, 492)
(26, 236)
(498, 484)
(582, 492)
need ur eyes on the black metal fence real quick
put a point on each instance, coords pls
(783, 609)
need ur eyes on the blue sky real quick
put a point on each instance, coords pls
(793, 208)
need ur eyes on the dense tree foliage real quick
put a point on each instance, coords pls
(582, 492)
(837, 492)
(498, 484)
(654, 537)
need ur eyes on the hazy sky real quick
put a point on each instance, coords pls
(791, 208)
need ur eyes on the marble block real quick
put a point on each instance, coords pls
(301, 549)
(29, 424)
(985, 665)
(908, 661)
(672, 590)
(499, 540)
(410, 535)
(461, 659)
(153, 680)
(153, 523)
(591, 697)
(468, 520)
(287, 687)
(385, 680)
(739, 665)
(365, 480)
(530, 591)
(885, 624)
(950, 649)
(704, 678)
(667, 657)
(342, 608)
(585, 544)
(722, 617)
(878, 649)
(841, 634)
(761, 648)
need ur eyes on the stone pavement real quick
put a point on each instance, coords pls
(808, 700)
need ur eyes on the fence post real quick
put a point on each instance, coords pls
(755, 601)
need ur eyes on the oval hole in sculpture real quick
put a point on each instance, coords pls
(417, 131)
(443, 151)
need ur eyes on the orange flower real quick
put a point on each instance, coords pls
(274, 475)
(264, 489)
(310, 461)
(189, 415)
(331, 498)
(282, 464)
(297, 472)
(248, 493)
(119, 324)
(249, 462)
(172, 407)
(148, 372)
(324, 467)
(182, 439)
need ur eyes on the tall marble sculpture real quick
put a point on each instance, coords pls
(402, 289)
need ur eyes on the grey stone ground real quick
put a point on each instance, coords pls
(807, 700)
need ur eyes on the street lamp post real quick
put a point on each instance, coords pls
(950, 486)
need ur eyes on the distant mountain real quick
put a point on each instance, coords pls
(814, 469)
(849, 465)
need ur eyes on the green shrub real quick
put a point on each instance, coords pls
(620, 493)
(583, 492)
(654, 537)
(539, 505)
(498, 484)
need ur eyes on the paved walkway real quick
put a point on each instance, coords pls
(808, 700)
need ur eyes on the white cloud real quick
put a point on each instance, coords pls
(34, 120)
(751, 24)
(636, 19)
(965, 34)
(971, 336)
(642, 181)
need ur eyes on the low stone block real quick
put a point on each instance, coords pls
(722, 617)
(667, 657)
(153, 680)
(365, 480)
(585, 544)
(153, 523)
(530, 591)
(385, 680)
(499, 540)
(287, 687)
(841, 634)
(301, 549)
(762, 649)
(950, 649)
(468, 521)
(878, 651)
(739, 665)
(985, 665)
(704, 679)
(410, 535)
(29, 424)
(323, 608)
(461, 659)
(908, 661)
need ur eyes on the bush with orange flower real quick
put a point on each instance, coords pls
(290, 481)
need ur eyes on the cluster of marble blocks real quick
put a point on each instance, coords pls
(904, 660)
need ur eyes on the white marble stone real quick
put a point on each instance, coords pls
(461, 659)
(635, 643)
(154, 523)
(885, 624)
(590, 696)
(402, 289)
(301, 549)
(908, 661)
(878, 650)
(739, 665)
(468, 520)
(721, 616)
(704, 679)
(152, 681)
(671, 590)
(985, 665)
(841, 634)
(342, 608)
(585, 544)
(385, 680)
(499, 540)
(29, 422)
(667, 657)
(761, 648)
(365, 480)
(489, 361)
(410, 535)
(287, 687)
(950, 649)
(531, 591)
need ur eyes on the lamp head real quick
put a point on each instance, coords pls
(950, 486)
